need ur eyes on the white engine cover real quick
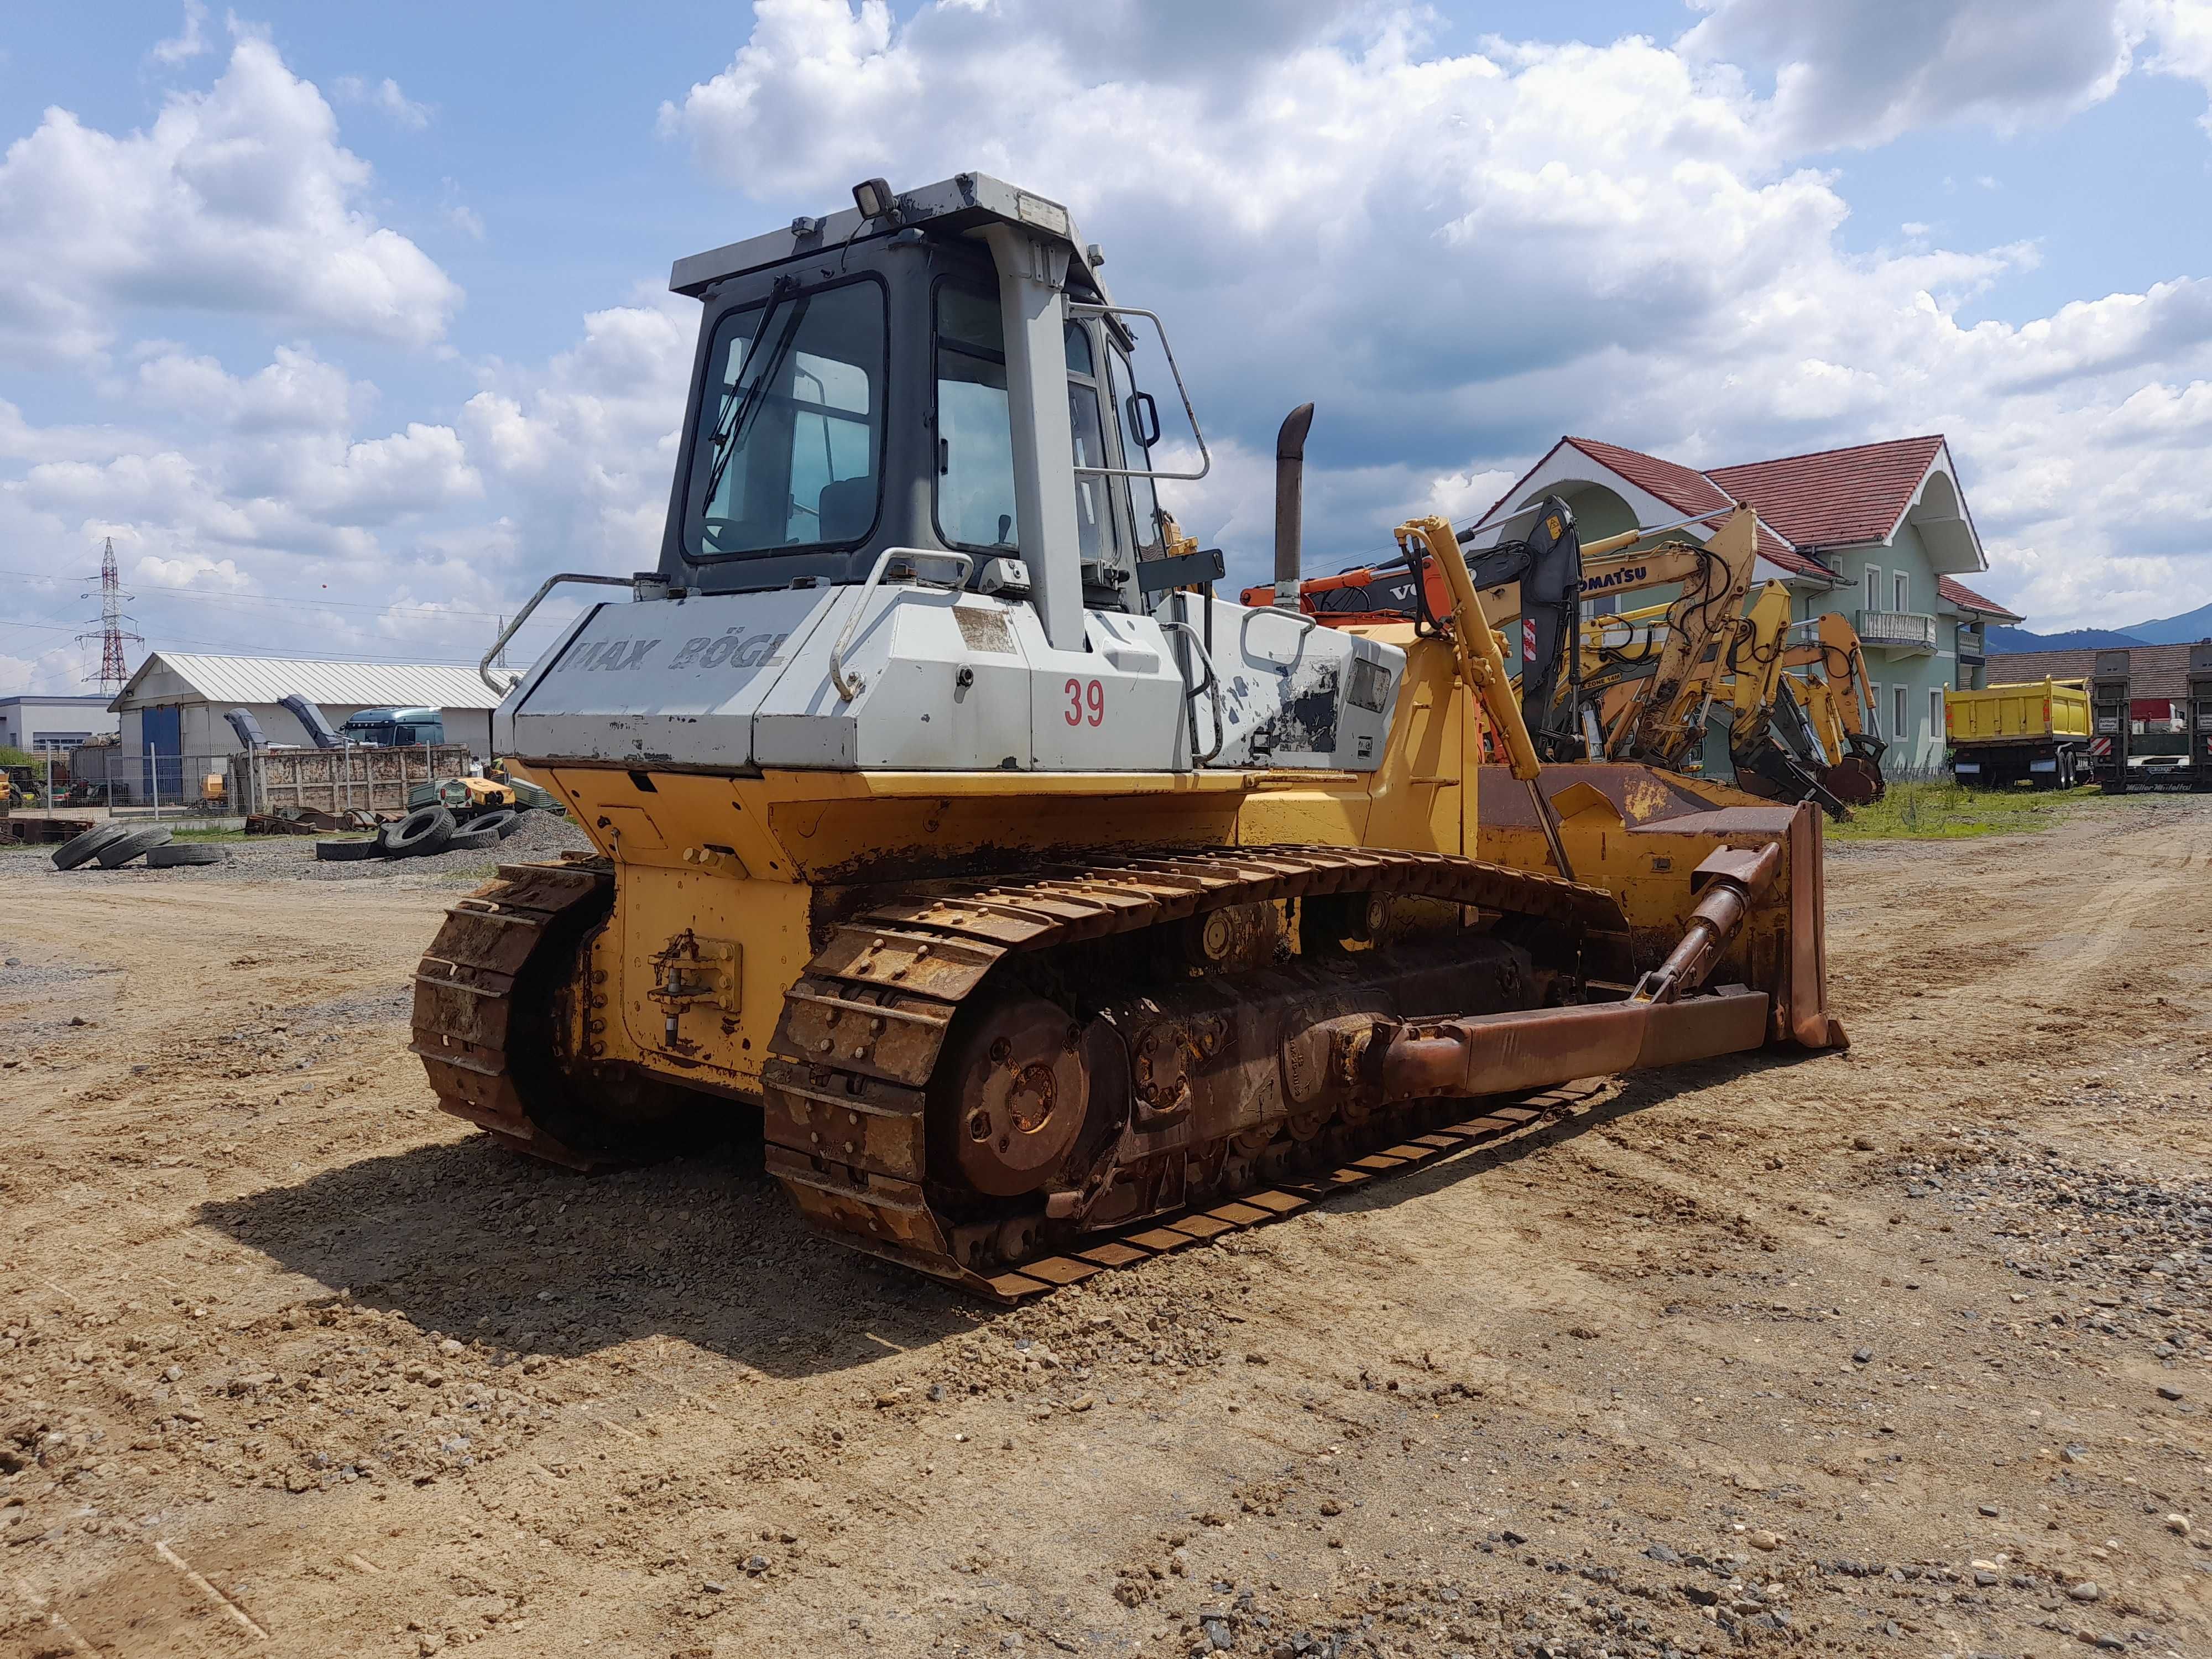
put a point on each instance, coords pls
(667, 680)
(942, 681)
(1294, 694)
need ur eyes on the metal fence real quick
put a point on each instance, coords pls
(151, 784)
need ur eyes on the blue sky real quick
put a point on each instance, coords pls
(347, 323)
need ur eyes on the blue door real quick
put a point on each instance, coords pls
(163, 729)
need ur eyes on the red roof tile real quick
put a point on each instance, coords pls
(1684, 490)
(1681, 488)
(1966, 599)
(1775, 550)
(1837, 496)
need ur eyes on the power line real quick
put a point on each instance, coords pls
(198, 596)
(232, 648)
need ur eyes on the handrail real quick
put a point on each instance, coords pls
(1076, 309)
(1211, 687)
(849, 689)
(483, 668)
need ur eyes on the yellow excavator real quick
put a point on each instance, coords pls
(1839, 704)
(1640, 684)
(1041, 908)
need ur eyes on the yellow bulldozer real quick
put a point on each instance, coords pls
(1038, 905)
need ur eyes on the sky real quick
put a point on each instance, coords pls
(348, 325)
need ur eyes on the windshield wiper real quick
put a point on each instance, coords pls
(732, 433)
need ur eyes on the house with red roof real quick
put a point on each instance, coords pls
(1879, 532)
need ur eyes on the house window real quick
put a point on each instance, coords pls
(1873, 587)
(1935, 713)
(1897, 696)
(1903, 591)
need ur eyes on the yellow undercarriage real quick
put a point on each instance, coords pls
(726, 884)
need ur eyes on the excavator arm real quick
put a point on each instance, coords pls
(1650, 673)
(1772, 743)
(1851, 724)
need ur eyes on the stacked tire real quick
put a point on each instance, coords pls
(426, 830)
(112, 844)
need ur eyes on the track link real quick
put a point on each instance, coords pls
(863, 1030)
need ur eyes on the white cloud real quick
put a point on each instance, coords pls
(192, 569)
(1864, 74)
(588, 444)
(385, 97)
(457, 212)
(189, 44)
(1460, 256)
(2184, 31)
(239, 199)
(59, 669)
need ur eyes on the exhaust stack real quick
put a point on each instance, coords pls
(1290, 504)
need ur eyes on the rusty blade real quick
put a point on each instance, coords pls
(1511, 1053)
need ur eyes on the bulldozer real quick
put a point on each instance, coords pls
(1037, 907)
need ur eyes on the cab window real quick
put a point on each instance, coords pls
(787, 454)
(975, 433)
(1093, 515)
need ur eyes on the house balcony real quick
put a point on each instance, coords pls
(1972, 656)
(1906, 631)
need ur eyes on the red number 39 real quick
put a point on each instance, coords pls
(1087, 700)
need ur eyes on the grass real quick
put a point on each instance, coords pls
(1943, 811)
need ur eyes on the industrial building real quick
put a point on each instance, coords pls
(175, 703)
(53, 725)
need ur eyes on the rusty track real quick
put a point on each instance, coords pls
(862, 1032)
(478, 1039)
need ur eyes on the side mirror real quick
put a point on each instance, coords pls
(1144, 418)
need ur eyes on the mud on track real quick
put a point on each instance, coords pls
(1861, 1354)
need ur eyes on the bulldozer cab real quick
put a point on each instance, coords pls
(914, 526)
(858, 387)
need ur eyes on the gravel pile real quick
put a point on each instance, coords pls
(2112, 1253)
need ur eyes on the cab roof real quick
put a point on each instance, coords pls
(964, 202)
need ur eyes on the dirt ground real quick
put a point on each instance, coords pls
(1900, 1351)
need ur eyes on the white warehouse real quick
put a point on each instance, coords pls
(176, 702)
(56, 725)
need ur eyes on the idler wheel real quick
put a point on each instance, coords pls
(1020, 1092)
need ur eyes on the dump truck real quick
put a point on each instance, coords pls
(2034, 735)
(1037, 907)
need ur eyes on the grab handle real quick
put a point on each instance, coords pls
(1212, 687)
(639, 584)
(851, 686)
